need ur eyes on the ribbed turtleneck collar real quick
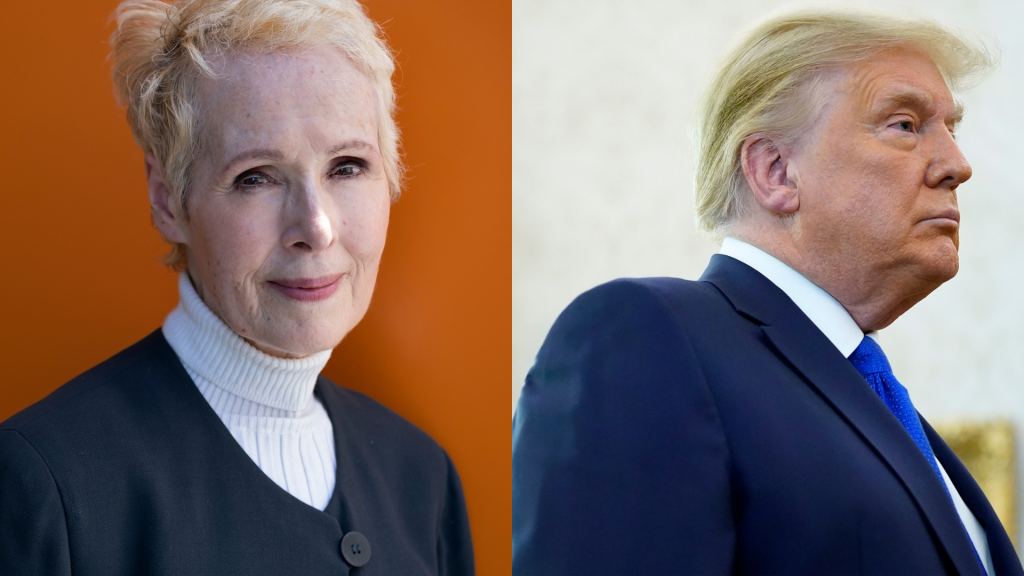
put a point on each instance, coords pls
(206, 346)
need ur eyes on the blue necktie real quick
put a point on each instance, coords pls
(872, 364)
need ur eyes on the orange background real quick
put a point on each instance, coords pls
(81, 279)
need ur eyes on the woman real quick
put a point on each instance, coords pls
(213, 446)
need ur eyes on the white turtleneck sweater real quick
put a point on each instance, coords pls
(267, 403)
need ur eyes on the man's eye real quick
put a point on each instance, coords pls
(906, 126)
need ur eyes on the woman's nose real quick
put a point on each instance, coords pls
(311, 227)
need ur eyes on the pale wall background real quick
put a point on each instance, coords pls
(603, 100)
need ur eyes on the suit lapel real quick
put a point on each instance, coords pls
(803, 345)
(1004, 557)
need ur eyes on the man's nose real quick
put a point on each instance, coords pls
(948, 168)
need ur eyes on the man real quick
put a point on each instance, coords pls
(748, 422)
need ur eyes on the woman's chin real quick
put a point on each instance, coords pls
(300, 344)
(287, 328)
(287, 350)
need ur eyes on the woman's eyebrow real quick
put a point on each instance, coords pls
(262, 153)
(355, 144)
(276, 155)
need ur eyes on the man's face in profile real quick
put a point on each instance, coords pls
(878, 172)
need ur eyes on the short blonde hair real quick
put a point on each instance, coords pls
(159, 51)
(771, 84)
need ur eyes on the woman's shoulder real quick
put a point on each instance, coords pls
(99, 391)
(368, 426)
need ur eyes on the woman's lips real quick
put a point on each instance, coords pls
(308, 289)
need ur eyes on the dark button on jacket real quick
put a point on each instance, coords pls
(127, 470)
(355, 549)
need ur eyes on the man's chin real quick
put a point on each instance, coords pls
(942, 265)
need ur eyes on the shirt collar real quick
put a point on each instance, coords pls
(819, 306)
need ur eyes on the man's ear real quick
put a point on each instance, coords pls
(165, 218)
(767, 171)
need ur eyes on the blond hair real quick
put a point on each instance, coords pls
(159, 51)
(772, 83)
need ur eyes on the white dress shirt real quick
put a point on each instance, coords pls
(266, 403)
(839, 327)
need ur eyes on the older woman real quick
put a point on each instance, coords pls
(213, 446)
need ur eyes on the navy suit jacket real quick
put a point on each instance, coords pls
(126, 470)
(709, 427)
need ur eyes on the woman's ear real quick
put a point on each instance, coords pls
(165, 218)
(768, 172)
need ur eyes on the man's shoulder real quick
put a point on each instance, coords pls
(665, 288)
(94, 394)
(640, 302)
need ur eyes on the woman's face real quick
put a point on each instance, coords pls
(288, 208)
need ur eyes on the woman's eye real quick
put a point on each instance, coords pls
(252, 180)
(348, 169)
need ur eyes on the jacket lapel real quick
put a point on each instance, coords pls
(800, 342)
(1004, 557)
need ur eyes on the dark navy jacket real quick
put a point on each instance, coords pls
(126, 470)
(709, 427)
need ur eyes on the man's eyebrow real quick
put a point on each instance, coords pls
(910, 98)
(915, 99)
(275, 155)
(958, 113)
